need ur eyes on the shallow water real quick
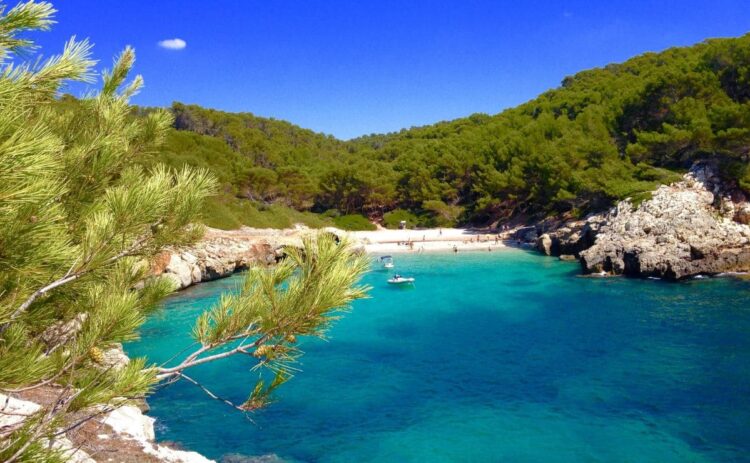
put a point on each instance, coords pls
(502, 356)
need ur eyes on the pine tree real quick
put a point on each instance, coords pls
(79, 223)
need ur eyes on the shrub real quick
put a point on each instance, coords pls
(393, 218)
(332, 213)
(229, 213)
(354, 222)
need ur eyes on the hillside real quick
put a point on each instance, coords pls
(603, 135)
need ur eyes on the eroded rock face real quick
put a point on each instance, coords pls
(687, 228)
(122, 435)
(222, 252)
(571, 238)
(218, 255)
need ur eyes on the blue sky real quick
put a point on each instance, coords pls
(350, 68)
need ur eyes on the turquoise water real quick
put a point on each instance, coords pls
(503, 356)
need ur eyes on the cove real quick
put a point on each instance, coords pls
(501, 356)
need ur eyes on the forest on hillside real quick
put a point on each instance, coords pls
(605, 134)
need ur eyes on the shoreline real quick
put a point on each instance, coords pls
(221, 253)
(428, 240)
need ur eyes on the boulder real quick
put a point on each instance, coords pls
(62, 331)
(130, 421)
(570, 238)
(115, 357)
(526, 234)
(743, 214)
(182, 269)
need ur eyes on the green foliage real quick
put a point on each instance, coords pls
(604, 135)
(85, 206)
(229, 212)
(392, 219)
(442, 215)
(353, 222)
(301, 296)
(79, 217)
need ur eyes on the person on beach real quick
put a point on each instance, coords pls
(455, 248)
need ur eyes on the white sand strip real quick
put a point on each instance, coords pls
(438, 239)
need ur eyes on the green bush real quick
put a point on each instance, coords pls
(354, 222)
(393, 218)
(228, 213)
(332, 213)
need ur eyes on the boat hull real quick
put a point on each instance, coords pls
(402, 281)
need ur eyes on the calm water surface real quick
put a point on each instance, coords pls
(503, 356)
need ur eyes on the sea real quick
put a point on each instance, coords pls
(503, 356)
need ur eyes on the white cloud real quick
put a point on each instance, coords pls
(173, 44)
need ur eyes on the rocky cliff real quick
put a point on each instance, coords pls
(696, 226)
(221, 253)
(569, 238)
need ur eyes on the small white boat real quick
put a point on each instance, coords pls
(399, 280)
(387, 262)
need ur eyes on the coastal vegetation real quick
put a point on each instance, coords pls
(605, 134)
(83, 212)
(94, 188)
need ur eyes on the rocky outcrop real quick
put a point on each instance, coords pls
(570, 238)
(525, 234)
(221, 253)
(695, 226)
(14, 411)
(130, 424)
(123, 435)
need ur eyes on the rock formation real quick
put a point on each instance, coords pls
(123, 435)
(570, 238)
(221, 253)
(695, 226)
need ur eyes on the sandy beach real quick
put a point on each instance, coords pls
(381, 241)
(385, 241)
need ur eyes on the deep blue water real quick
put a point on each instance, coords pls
(503, 356)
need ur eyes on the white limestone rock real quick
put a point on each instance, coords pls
(685, 229)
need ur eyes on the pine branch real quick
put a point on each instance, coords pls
(211, 394)
(164, 373)
(67, 279)
(49, 416)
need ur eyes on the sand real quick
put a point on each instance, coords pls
(381, 241)
(438, 239)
